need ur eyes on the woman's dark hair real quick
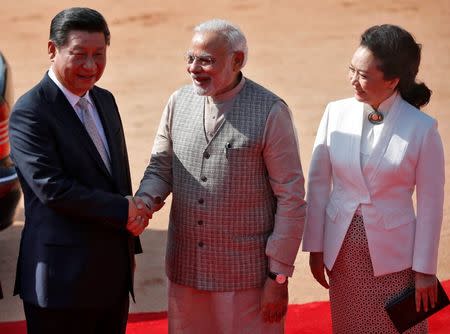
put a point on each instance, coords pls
(77, 18)
(399, 57)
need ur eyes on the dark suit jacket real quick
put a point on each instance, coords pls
(75, 250)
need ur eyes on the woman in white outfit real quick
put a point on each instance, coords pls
(372, 151)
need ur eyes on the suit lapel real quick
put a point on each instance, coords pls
(357, 126)
(348, 143)
(62, 110)
(355, 148)
(379, 150)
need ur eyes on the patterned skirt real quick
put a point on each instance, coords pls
(357, 297)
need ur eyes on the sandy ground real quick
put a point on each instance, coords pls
(299, 49)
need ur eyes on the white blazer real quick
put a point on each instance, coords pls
(408, 156)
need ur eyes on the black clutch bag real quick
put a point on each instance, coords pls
(402, 309)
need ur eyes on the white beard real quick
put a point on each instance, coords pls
(203, 91)
(199, 90)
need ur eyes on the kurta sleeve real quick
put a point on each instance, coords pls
(282, 160)
(157, 180)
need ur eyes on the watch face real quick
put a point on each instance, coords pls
(281, 279)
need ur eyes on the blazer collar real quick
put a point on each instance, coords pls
(353, 126)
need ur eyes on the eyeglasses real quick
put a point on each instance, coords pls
(203, 61)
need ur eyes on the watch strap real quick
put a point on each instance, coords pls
(272, 275)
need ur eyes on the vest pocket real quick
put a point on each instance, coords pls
(239, 154)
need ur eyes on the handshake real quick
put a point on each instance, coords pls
(139, 213)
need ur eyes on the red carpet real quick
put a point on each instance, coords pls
(311, 318)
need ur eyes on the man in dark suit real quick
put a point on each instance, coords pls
(76, 261)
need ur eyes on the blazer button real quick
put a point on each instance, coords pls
(200, 222)
(201, 244)
(204, 178)
(201, 200)
(206, 155)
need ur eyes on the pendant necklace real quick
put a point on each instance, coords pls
(375, 117)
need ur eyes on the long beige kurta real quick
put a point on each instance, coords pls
(239, 311)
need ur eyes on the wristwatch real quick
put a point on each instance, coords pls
(279, 278)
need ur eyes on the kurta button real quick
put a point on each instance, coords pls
(201, 244)
(200, 222)
(204, 178)
(206, 155)
(201, 200)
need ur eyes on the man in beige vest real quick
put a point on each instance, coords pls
(227, 150)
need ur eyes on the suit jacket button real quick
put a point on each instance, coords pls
(200, 222)
(206, 155)
(201, 200)
(201, 244)
(204, 178)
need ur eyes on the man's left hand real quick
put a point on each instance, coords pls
(274, 301)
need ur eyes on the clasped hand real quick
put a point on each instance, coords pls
(138, 215)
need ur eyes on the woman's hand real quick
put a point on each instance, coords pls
(318, 268)
(426, 290)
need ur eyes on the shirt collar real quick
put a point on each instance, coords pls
(228, 95)
(386, 105)
(71, 97)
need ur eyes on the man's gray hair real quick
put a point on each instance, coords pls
(230, 31)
